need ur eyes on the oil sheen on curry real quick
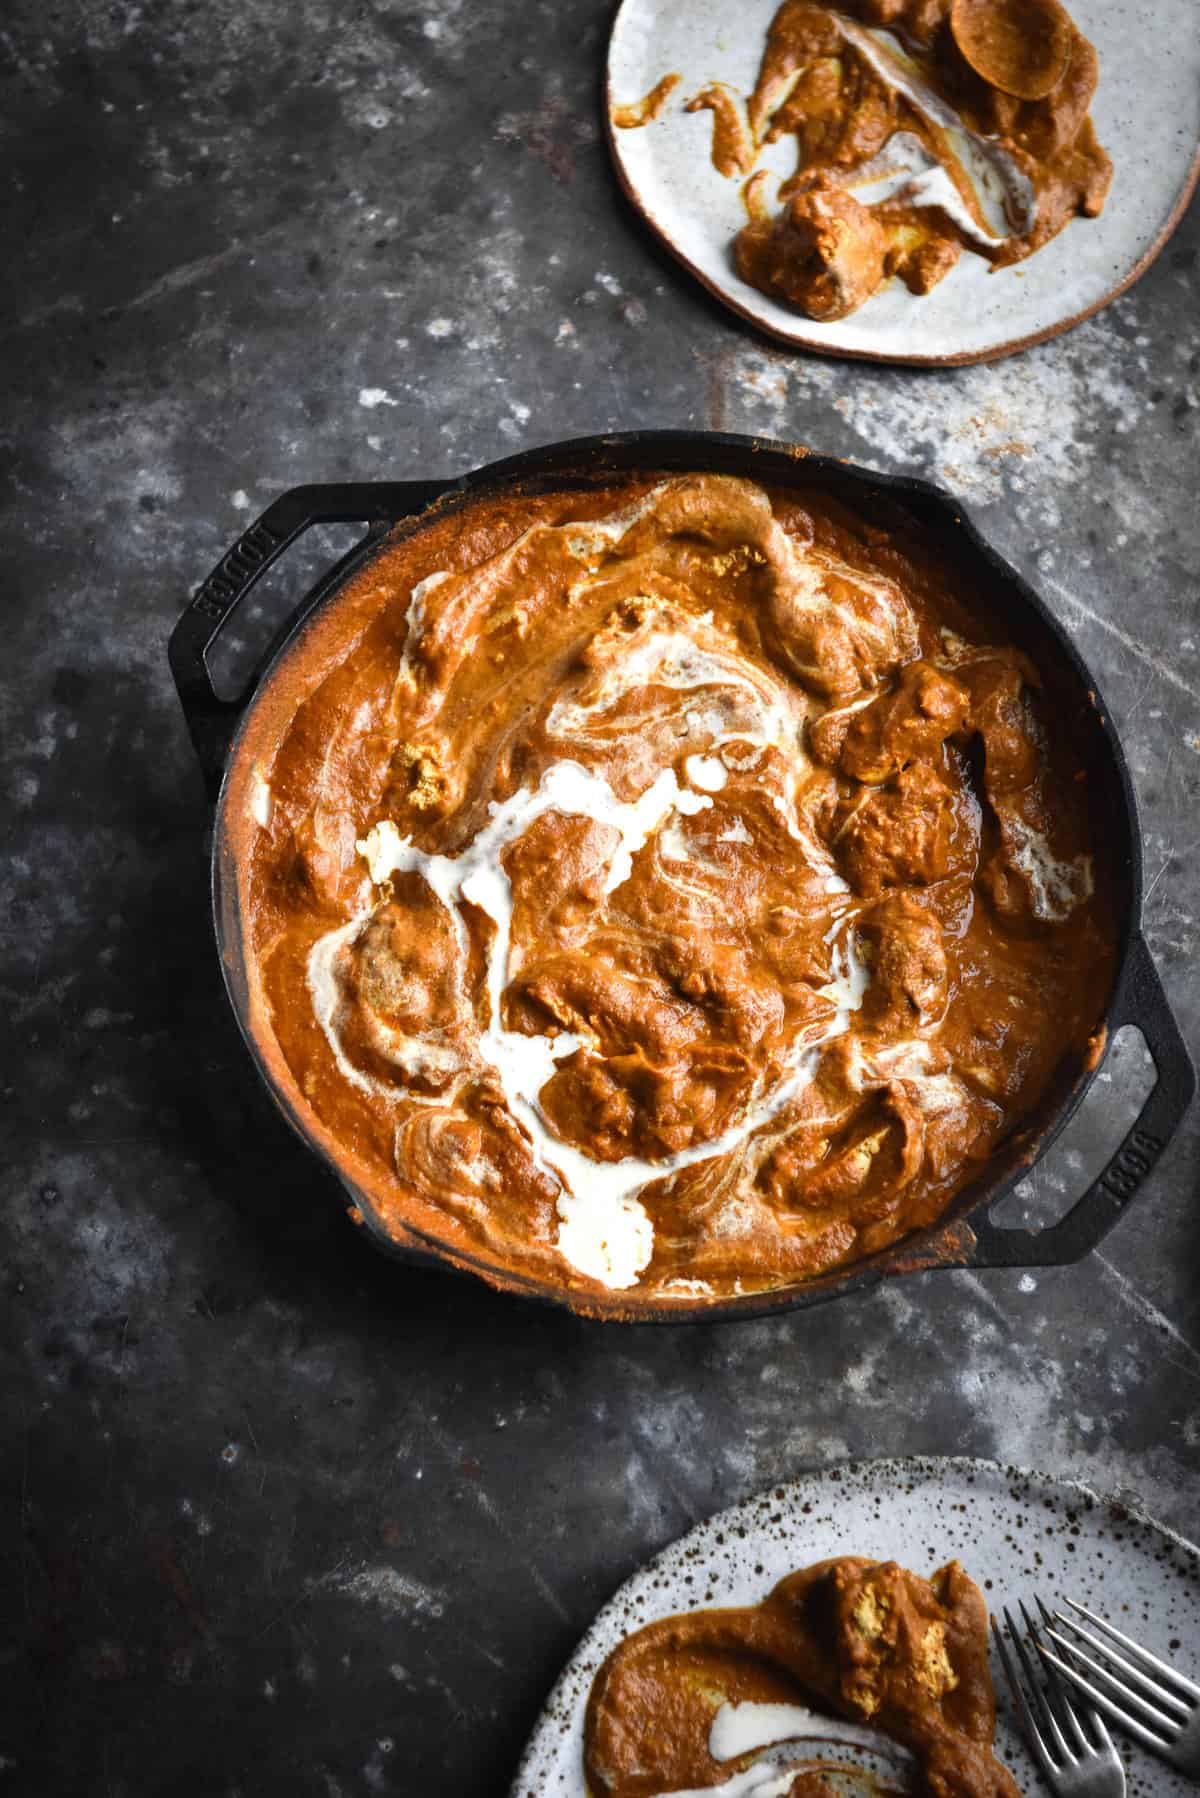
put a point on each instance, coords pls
(922, 128)
(851, 1676)
(674, 889)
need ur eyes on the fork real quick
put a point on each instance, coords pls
(1166, 1719)
(1078, 1762)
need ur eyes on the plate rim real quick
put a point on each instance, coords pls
(927, 1467)
(798, 339)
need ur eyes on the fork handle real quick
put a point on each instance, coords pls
(1140, 1000)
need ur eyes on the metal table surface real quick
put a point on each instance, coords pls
(278, 1516)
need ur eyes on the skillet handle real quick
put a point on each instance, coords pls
(212, 720)
(1143, 1002)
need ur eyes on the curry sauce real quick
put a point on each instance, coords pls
(688, 1703)
(678, 888)
(922, 129)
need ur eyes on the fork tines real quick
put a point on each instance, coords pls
(1068, 1741)
(1153, 1703)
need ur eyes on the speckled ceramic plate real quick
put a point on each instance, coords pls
(1013, 1531)
(1147, 114)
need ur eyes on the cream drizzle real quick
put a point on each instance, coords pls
(604, 1230)
(416, 1056)
(260, 799)
(1005, 193)
(850, 976)
(328, 1001)
(414, 617)
(706, 772)
(1056, 886)
(738, 1729)
(755, 1782)
(905, 170)
(672, 659)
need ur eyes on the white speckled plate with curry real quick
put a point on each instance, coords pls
(1015, 1533)
(1147, 116)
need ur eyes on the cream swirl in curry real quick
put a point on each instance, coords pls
(671, 888)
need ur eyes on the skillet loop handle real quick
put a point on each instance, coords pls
(212, 720)
(1143, 1002)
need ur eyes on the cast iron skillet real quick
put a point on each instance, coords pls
(966, 1235)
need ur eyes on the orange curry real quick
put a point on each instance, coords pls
(676, 889)
(690, 1702)
(922, 128)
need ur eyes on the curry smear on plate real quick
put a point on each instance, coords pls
(890, 1660)
(922, 128)
(678, 888)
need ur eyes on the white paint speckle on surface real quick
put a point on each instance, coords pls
(395, 1593)
(1016, 425)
